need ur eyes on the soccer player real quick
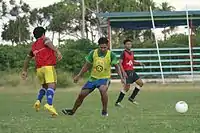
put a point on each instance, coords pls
(100, 61)
(44, 53)
(127, 63)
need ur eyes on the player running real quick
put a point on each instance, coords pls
(127, 63)
(44, 53)
(100, 61)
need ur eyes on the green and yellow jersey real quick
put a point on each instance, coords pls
(101, 64)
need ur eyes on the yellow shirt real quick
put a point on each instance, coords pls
(101, 67)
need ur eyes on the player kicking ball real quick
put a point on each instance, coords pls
(43, 52)
(100, 61)
(127, 63)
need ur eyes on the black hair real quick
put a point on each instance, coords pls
(103, 40)
(127, 40)
(38, 32)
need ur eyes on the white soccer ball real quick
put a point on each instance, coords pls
(181, 107)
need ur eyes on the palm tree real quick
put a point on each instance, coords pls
(145, 4)
(166, 7)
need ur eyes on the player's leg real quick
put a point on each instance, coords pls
(139, 84)
(122, 94)
(86, 90)
(50, 80)
(129, 81)
(42, 91)
(82, 95)
(103, 85)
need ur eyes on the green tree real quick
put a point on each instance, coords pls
(165, 6)
(177, 40)
(65, 19)
(16, 31)
(3, 8)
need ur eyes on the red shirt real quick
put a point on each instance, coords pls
(128, 60)
(44, 56)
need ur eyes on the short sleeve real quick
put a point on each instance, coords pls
(30, 54)
(89, 57)
(47, 40)
(114, 59)
(122, 56)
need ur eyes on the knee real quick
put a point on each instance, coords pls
(103, 91)
(52, 85)
(81, 97)
(126, 87)
(45, 86)
(141, 84)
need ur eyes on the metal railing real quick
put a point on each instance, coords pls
(175, 62)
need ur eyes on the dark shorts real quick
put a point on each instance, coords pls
(132, 77)
(91, 85)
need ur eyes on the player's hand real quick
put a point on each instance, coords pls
(123, 81)
(125, 74)
(76, 78)
(59, 55)
(24, 75)
(143, 65)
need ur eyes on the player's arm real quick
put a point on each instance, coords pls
(118, 69)
(84, 69)
(138, 63)
(49, 43)
(26, 62)
(86, 66)
(116, 63)
(121, 66)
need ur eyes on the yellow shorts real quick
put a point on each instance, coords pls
(47, 74)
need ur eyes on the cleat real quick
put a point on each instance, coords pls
(104, 114)
(51, 109)
(119, 105)
(67, 112)
(37, 105)
(133, 101)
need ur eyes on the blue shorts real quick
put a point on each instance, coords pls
(91, 85)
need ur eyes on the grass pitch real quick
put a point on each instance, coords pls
(155, 114)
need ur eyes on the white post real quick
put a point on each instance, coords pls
(110, 37)
(98, 20)
(109, 34)
(83, 19)
(190, 44)
(153, 24)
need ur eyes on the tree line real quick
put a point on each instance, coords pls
(64, 18)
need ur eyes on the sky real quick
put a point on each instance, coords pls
(178, 4)
(181, 4)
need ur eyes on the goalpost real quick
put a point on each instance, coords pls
(154, 18)
(157, 46)
(190, 43)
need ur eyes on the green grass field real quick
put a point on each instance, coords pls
(155, 114)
